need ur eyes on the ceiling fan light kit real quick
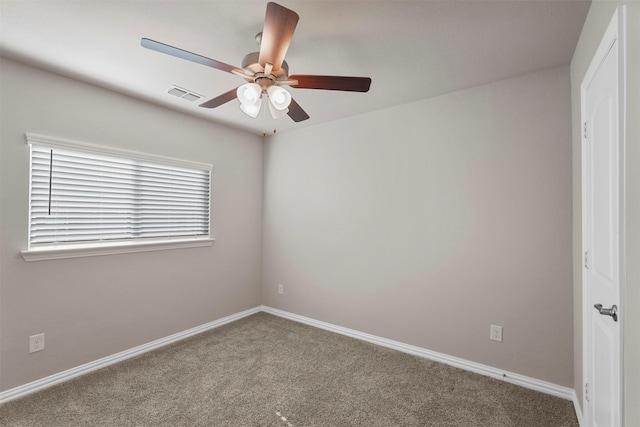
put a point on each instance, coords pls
(250, 97)
(279, 97)
(275, 113)
(266, 71)
(249, 93)
(251, 110)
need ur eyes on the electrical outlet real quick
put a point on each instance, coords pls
(280, 288)
(36, 343)
(496, 333)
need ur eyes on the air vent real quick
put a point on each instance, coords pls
(191, 97)
(183, 93)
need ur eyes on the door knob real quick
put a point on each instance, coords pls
(613, 311)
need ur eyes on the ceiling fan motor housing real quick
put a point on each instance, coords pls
(252, 66)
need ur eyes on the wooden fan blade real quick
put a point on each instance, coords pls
(219, 100)
(349, 84)
(189, 56)
(296, 112)
(279, 25)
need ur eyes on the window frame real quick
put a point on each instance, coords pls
(75, 250)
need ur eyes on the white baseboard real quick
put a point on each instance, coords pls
(578, 408)
(34, 386)
(510, 377)
(521, 380)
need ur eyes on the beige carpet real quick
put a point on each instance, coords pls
(267, 371)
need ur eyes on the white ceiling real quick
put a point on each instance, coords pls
(411, 49)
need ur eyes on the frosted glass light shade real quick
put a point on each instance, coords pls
(279, 97)
(251, 110)
(249, 93)
(275, 113)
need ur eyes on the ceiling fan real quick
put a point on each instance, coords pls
(266, 71)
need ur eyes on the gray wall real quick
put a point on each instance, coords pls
(454, 209)
(427, 222)
(94, 307)
(598, 19)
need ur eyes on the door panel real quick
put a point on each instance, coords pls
(601, 216)
(603, 183)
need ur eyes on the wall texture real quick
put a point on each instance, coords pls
(94, 307)
(598, 19)
(425, 223)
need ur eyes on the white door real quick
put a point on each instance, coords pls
(603, 152)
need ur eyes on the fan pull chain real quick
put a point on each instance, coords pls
(266, 117)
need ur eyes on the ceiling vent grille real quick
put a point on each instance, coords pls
(183, 93)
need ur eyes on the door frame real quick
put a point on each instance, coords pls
(616, 31)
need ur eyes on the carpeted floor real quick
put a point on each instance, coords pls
(267, 371)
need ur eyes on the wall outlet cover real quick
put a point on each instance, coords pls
(496, 333)
(36, 343)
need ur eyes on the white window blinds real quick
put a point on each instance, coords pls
(89, 197)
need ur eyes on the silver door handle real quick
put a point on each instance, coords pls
(613, 311)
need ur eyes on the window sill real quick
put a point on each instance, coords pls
(78, 251)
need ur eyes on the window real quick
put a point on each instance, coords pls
(87, 199)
